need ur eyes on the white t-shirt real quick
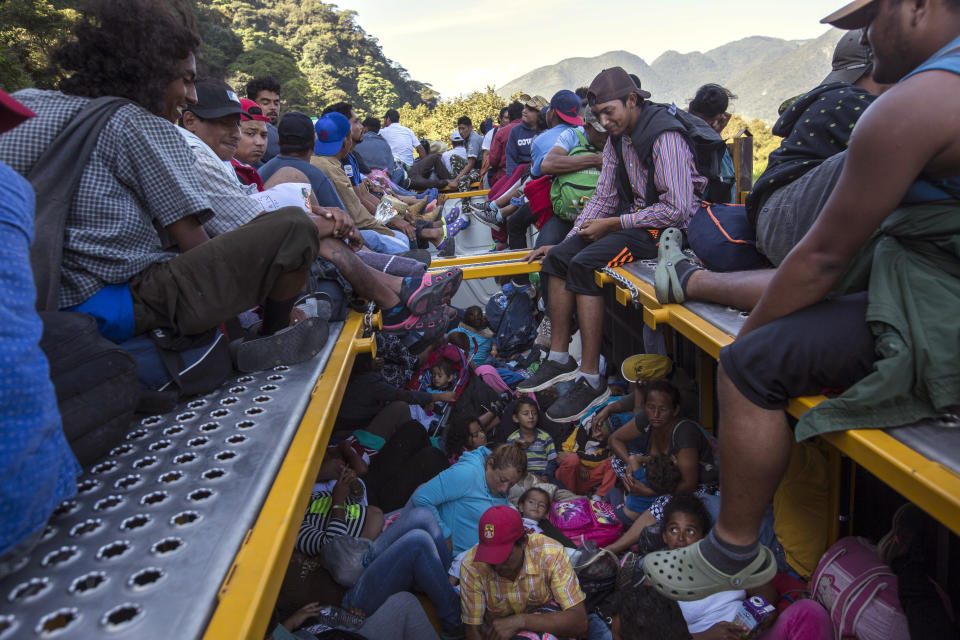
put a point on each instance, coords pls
(487, 140)
(706, 612)
(402, 142)
(445, 156)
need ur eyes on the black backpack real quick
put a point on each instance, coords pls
(706, 144)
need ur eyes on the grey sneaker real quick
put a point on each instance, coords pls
(297, 343)
(576, 402)
(549, 374)
(484, 214)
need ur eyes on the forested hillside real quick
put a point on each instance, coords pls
(315, 50)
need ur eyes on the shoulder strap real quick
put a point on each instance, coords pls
(55, 178)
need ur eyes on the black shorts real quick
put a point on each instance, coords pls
(828, 346)
(575, 259)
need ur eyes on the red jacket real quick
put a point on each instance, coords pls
(498, 156)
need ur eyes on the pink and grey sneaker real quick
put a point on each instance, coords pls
(435, 289)
(429, 321)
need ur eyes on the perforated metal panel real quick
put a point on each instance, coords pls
(144, 547)
(726, 319)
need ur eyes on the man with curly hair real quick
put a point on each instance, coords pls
(140, 177)
(265, 91)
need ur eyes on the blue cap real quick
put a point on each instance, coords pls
(331, 130)
(566, 104)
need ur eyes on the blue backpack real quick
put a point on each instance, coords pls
(511, 314)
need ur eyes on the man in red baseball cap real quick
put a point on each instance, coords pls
(889, 220)
(514, 581)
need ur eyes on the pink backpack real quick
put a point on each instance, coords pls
(859, 592)
(584, 519)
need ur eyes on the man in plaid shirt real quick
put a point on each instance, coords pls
(616, 226)
(514, 581)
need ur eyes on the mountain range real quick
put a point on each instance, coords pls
(762, 72)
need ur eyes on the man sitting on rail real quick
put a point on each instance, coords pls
(401, 139)
(140, 176)
(612, 229)
(472, 141)
(800, 176)
(891, 221)
(211, 128)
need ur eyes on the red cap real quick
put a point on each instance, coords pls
(500, 528)
(246, 104)
(12, 112)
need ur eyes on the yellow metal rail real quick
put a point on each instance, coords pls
(490, 265)
(928, 484)
(248, 593)
(456, 195)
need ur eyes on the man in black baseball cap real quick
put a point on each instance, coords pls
(215, 117)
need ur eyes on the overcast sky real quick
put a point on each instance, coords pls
(460, 46)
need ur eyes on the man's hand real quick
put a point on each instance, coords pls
(584, 473)
(301, 615)
(539, 254)
(593, 230)
(400, 224)
(452, 184)
(343, 224)
(506, 628)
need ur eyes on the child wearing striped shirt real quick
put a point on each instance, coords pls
(541, 452)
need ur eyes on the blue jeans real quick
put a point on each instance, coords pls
(411, 518)
(411, 562)
(380, 243)
(598, 628)
(766, 535)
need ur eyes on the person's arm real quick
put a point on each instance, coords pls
(471, 163)
(620, 438)
(497, 148)
(896, 139)
(605, 199)
(420, 151)
(445, 487)
(472, 604)
(688, 462)
(187, 233)
(570, 623)
(557, 162)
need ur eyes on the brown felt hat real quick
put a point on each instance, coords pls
(613, 84)
(855, 15)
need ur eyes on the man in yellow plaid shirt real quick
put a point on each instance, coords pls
(511, 573)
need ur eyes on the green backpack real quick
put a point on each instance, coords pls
(570, 191)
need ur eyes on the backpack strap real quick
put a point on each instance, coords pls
(55, 177)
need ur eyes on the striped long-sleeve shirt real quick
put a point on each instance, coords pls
(674, 174)
(318, 527)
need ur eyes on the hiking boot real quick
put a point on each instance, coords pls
(549, 374)
(447, 248)
(484, 214)
(577, 402)
(294, 344)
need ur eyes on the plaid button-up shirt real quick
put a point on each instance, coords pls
(674, 174)
(140, 177)
(546, 575)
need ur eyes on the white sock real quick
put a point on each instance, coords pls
(559, 356)
(592, 378)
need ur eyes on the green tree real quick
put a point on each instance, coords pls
(29, 30)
